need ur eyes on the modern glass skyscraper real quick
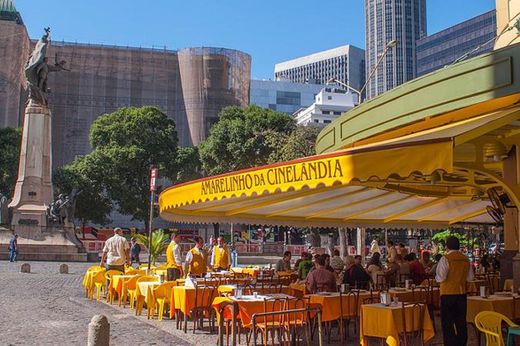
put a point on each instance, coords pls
(472, 37)
(387, 20)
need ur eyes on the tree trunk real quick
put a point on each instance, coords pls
(343, 245)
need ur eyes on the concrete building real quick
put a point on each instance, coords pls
(283, 96)
(329, 104)
(474, 36)
(190, 85)
(387, 20)
(345, 63)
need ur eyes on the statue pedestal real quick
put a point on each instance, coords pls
(33, 190)
(37, 239)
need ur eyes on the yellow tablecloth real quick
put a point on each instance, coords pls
(248, 271)
(474, 285)
(184, 299)
(145, 290)
(407, 295)
(90, 278)
(331, 304)
(118, 281)
(386, 322)
(501, 304)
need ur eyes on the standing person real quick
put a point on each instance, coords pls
(305, 266)
(453, 271)
(220, 256)
(13, 247)
(196, 259)
(210, 245)
(135, 250)
(284, 264)
(374, 247)
(116, 252)
(392, 252)
(403, 251)
(173, 258)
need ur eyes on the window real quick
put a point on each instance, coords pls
(337, 113)
(316, 121)
(326, 121)
(288, 98)
(329, 97)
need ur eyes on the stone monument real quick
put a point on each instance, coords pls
(40, 237)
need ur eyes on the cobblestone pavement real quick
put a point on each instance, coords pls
(48, 308)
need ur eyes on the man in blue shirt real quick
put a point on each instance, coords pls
(13, 248)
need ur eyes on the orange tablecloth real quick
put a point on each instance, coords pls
(249, 271)
(117, 282)
(501, 304)
(184, 299)
(248, 306)
(386, 322)
(331, 304)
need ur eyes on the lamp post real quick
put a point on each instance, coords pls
(334, 80)
(389, 45)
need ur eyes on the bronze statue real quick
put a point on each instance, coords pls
(37, 69)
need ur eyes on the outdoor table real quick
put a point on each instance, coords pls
(249, 305)
(227, 289)
(145, 290)
(89, 280)
(118, 284)
(473, 286)
(408, 295)
(297, 290)
(253, 272)
(331, 304)
(501, 303)
(183, 299)
(162, 272)
(380, 321)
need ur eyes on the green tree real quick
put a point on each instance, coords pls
(83, 176)
(188, 162)
(300, 143)
(127, 143)
(10, 140)
(239, 139)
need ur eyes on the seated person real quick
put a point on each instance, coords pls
(355, 275)
(336, 262)
(284, 264)
(305, 266)
(327, 263)
(320, 279)
(417, 273)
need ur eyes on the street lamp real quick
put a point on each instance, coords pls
(389, 45)
(334, 80)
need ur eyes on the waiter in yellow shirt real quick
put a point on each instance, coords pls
(196, 259)
(453, 271)
(220, 256)
(173, 258)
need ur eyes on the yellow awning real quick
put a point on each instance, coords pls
(420, 180)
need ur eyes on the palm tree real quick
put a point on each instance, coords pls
(158, 245)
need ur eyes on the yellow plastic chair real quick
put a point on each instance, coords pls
(131, 291)
(490, 323)
(99, 283)
(108, 278)
(162, 295)
(139, 301)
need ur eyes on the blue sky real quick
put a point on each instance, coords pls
(270, 31)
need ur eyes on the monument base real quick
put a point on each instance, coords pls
(44, 244)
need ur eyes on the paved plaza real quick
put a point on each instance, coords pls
(48, 308)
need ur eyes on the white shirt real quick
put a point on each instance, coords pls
(443, 266)
(115, 248)
(177, 255)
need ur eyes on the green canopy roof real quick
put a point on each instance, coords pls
(7, 6)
